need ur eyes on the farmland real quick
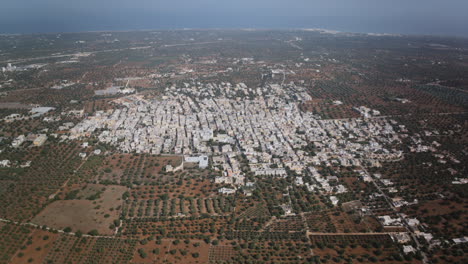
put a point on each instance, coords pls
(51, 167)
(97, 210)
(13, 237)
(136, 168)
(90, 250)
(233, 146)
(36, 247)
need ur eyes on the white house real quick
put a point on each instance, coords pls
(201, 160)
(225, 190)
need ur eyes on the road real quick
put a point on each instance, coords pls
(308, 233)
(404, 220)
(69, 55)
(294, 45)
(349, 234)
(47, 228)
(190, 44)
(390, 116)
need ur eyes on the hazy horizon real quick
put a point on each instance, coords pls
(429, 17)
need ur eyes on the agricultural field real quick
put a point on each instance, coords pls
(204, 227)
(181, 207)
(97, 105)
(360, 247)
(37, 246)
(72, 249)
(451, 255)
(13, 236)
(252, 210)
(187, 184)
(51, 166)
(136, 168)
(94, 207)
(442, 216)
(269, 252)
(352, 222)
(233, 146)
(171, 251)
(222, 253)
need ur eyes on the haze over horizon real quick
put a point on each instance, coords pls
(421, 17)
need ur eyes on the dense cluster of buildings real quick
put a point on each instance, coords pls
(224, 120)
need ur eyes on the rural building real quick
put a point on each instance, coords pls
(40, 140)
(18, 141)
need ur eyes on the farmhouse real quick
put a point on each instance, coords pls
(226, 191)
(40, 140)
(18, 141)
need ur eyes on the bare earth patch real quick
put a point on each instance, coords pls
(84, 215)
(37, 249)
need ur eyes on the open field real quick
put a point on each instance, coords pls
(14, 105)
(97, 212)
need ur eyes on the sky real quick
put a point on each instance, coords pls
(427, 17)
